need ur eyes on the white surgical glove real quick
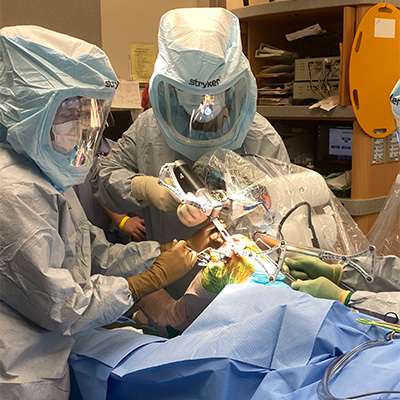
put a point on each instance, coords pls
(190, 216)
(147, 188)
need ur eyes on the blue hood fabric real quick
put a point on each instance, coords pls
(395, 101)
(200, 52)
(39, 69)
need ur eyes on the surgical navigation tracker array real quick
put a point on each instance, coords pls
(188, 188)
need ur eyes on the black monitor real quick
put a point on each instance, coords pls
(334, 147)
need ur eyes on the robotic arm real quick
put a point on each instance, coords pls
(266, 242)
(188, 188)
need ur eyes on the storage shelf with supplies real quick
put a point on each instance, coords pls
(303, 112)
(270, 23)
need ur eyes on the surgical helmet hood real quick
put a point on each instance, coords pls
(39, 70)
(395, 101)
(202, 91)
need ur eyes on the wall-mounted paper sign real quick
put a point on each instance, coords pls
(142, 58)
(127, 95)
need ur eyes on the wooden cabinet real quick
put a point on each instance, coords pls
(269, 23)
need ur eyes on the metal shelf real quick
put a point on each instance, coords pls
(266, 10)
(303, 112)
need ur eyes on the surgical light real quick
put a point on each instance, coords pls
(207, 103)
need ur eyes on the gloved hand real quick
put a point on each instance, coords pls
(167, 246)
(168, 267)
(147, 188)
(190, 216)
(306, 267)
(237, 269)
(216, 275)
(322, 288)
(208, 236)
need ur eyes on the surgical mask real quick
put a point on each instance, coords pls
(66, 136)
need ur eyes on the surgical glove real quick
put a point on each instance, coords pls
(306, 267)
(322, 288)
(190, 215)
(208, 236)
(148, 188)
(216, 275)
(168, 267)
(167, 246)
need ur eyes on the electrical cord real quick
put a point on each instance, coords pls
(312, 86)
(314, 239)
(322, 89)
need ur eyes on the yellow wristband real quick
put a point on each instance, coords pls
(122, 223)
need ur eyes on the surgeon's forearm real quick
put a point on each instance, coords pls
(120, 259)
(115, 217)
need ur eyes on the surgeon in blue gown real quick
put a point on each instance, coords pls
(253, 341)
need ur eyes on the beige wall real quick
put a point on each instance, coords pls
(79, 18)
(131, 21)
(110, 24)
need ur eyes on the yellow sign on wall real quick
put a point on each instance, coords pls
(142, 58)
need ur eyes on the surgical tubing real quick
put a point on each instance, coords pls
(336, 365)
(122, 223)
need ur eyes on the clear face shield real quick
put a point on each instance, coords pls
(77, 129)
(208, 113)
(395, 103)
(201, 116)
(397, 123)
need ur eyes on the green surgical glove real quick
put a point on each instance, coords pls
(168, 267)
(216, 275)
(148, 188)
(322, 288)
(306, 267)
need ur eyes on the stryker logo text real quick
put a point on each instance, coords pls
(394, 100)
(112, 84)
(195, 82)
